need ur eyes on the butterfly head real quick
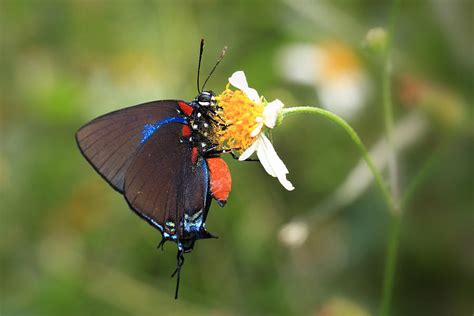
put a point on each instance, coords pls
(206, 99)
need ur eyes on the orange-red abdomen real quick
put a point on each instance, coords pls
(220, 179)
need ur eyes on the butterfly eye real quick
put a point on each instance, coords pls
(204, 98)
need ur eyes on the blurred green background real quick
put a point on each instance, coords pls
(69, 243)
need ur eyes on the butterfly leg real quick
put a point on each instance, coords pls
(161, 244)
(237, 158)
(177, 272)
(215, 151)
(223, 125)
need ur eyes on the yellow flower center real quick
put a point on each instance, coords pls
(240, 115)
(341, 59)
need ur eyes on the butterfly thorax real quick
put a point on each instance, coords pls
(205, 123)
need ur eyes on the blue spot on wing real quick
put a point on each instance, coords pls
(149, 129)
(205, 169)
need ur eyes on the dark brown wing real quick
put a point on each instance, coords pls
(166, 187)
(110, 142)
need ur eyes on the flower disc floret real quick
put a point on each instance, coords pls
(241, 115)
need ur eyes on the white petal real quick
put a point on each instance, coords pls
(271, 111)
(248, 152)
(252, 94)
(263, 156)
(285, 183)
(257, 129)
(267, 146)
(270, 161)
(239, 81)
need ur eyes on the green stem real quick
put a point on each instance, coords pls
(389, 123)
(388, 108)
(419, 178)
(390, 263)
(355, 138)
(394, 235)
(392, 245)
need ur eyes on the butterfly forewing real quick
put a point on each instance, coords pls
(110, 142)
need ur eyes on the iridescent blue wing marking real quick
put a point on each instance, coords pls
(163, 184)
(110, 142)
(149, 129)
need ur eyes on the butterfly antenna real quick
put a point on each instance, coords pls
(201, 49)
(177, 272)
(215, 66)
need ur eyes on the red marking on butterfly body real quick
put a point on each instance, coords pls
(186, 108)
(194, 155)
(220, 179)
(186, 131)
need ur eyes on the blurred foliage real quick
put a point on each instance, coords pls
(69, 244)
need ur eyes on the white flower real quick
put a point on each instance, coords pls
(335, 71)
(267, 155)
(294, 234)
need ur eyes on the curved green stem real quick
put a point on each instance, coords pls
(355, 138)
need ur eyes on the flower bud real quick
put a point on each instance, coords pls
(376, 39)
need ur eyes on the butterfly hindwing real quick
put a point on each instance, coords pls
(110, 142)
(167, 186)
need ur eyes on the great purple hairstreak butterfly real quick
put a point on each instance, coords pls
(163, 157)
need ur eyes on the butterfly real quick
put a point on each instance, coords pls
(163, 157)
